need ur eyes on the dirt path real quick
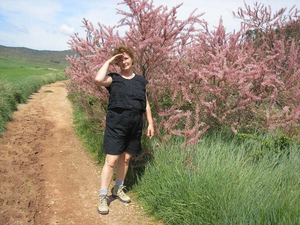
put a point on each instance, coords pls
(46, 175)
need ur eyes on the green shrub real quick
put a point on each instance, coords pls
(8, 104)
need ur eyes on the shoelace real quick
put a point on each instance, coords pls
(103, 200)
(121, 188)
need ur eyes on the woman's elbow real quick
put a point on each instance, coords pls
(103, 83)
(98, 82)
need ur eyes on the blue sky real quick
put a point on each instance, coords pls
(48, 24)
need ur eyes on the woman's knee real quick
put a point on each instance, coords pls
(111, 161)
(125, 158)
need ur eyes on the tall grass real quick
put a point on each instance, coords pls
(8, 104)
(221, 181)
(92, 140)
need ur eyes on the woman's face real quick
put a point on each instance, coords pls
(125, 62)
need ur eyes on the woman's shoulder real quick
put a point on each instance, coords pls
(141, 79)
(113, 75)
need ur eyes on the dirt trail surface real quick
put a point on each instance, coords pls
(46, 175)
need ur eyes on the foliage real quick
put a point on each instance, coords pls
(277, 143)
(201, 78)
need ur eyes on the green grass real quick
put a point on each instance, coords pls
(92, 140)
(221, 182)
(18, 80)
(14, 69)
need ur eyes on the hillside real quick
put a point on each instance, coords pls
(57, 57)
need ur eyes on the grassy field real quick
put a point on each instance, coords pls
(19, 78)
(14, 69)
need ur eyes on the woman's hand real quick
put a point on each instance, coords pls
(148, 117)
(150, 131)
(101, 78)
(115, 59)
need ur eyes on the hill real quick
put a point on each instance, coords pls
(57, 57)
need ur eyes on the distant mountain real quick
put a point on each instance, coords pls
(58, 57)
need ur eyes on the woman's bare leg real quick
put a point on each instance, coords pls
(123, 166)
(108, 170)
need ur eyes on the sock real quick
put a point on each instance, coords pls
(119, 183)
(103, 191)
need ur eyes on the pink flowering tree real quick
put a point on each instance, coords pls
(199, 78)
(276, 46)
(245, 82)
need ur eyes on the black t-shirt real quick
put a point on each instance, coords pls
(127, 93)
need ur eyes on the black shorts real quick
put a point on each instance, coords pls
(123, 132)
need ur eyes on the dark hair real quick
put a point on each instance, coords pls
(123, 49)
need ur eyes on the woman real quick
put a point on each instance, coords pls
(124, 122)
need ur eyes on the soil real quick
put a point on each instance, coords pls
(46, 174)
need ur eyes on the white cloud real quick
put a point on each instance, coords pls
(65, 29)
(18, 28)
(29, 10)
(38, 39)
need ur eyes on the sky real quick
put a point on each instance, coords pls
(49, 24)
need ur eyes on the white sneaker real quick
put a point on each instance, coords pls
(118, 192)
(103, 206)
